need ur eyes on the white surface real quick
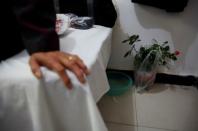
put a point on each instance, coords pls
(180, 29)
(27, 104)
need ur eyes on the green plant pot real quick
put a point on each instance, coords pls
(119, 83)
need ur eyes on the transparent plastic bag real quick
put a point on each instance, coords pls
(62, 23)
(80, 22)
(146, 73)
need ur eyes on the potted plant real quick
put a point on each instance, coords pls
(147, 59)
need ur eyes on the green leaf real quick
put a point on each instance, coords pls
(152, 51)
(164, 63)
(127, 53)
(142, 49)
(166, 48)
(174, 58)
(124, 41)
(166, 42)
(154, 41)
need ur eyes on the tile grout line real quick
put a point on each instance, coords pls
(119, 123)
(156, 128)
(135, 106)
(125, 124)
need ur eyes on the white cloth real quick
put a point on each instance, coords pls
(27, 104)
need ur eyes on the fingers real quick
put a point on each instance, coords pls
(78, 72)
(59, 62)
(75, 60)
(76, 65)
(62, 74)
(70, 64)
(55, 65)
(35, 67)
(49, 61)
(81, 64)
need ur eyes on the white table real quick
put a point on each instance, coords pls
(27, 104)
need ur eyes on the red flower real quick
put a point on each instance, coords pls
(177, 52)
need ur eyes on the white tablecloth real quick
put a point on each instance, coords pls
(27, 104)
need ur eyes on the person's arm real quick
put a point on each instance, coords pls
(36, 19)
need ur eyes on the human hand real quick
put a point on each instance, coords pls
(58, 62)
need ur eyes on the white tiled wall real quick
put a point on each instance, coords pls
(164, 108)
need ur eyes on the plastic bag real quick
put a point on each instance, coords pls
(62, 23)
(146, 73)
(80, 22)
